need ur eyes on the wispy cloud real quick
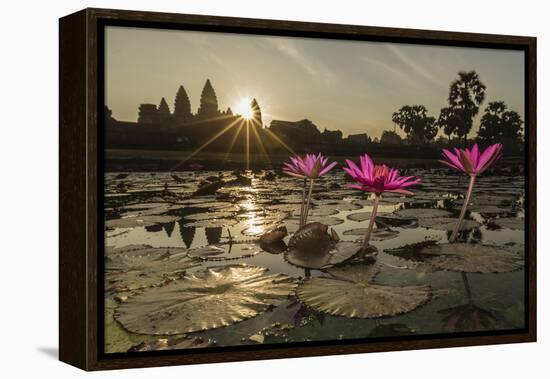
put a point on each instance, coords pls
(412, 64)
(391, 70)
(311, 66)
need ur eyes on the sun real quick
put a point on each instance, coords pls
(244, 109)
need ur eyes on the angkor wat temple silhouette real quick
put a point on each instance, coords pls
(159, 128)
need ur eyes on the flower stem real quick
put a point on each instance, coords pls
(463, 211)
(372, 219)
(303, 205)
(306, 209)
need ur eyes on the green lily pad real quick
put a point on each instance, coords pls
(292, 223)
(464, 257)
(224, 252)
(360, 216)
(379, 234)
(131, 272)
(132, 222)
(439, 219)
(387, 220)
(320, 211)
(511, 223)
(208, 299)
(135, 249)
(117, 340)
(174, 343)
(323, 255)
(350, 291)
(447, 223)
(339, 205)
(212, 223)
(421, 213)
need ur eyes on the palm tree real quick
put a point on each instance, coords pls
(466, 95)
(499, 124)
(414, 120)
(448, 121)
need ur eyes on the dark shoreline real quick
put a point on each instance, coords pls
(175, 161)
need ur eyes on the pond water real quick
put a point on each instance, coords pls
(185, 269)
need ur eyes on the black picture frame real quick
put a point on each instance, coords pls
(81, 75)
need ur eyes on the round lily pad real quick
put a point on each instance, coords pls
(387, 220)
(132, 222)
(132, 250)
(378, 234)
(350, 291)
(421, 213)
(411, 251)
(360, 216)
(467, 257)
(174, 343)
(511, 223)
(212, 298)
(292, 223)
(338, 205)
(129, 272)
(447, 223)
(323, 256)
(142, 206)
(212, 223)
(224, 252)
(284, 207)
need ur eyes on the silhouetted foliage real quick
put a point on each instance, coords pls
(182, 106)
(390, 138)
(414, 120)
(448, 121)
(466, 94)
(498, 124)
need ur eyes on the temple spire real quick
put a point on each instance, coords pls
(182, 106)
(163, 109)
(256, 112)
(208, 107)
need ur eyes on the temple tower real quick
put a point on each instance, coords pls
(182, 106)
(208, 107)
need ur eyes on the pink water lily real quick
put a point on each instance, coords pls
(310, 167)
(377, 179)
(473, 162)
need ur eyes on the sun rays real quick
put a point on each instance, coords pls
(248, 134)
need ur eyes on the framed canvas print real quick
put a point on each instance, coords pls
(237, 189)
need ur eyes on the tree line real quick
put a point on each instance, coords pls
(466, 96)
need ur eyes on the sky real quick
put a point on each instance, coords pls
(353, 86)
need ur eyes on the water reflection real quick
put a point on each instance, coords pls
(187, 234)
(467, 317)
(213, 235)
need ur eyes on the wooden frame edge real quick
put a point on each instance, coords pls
(72, 194)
